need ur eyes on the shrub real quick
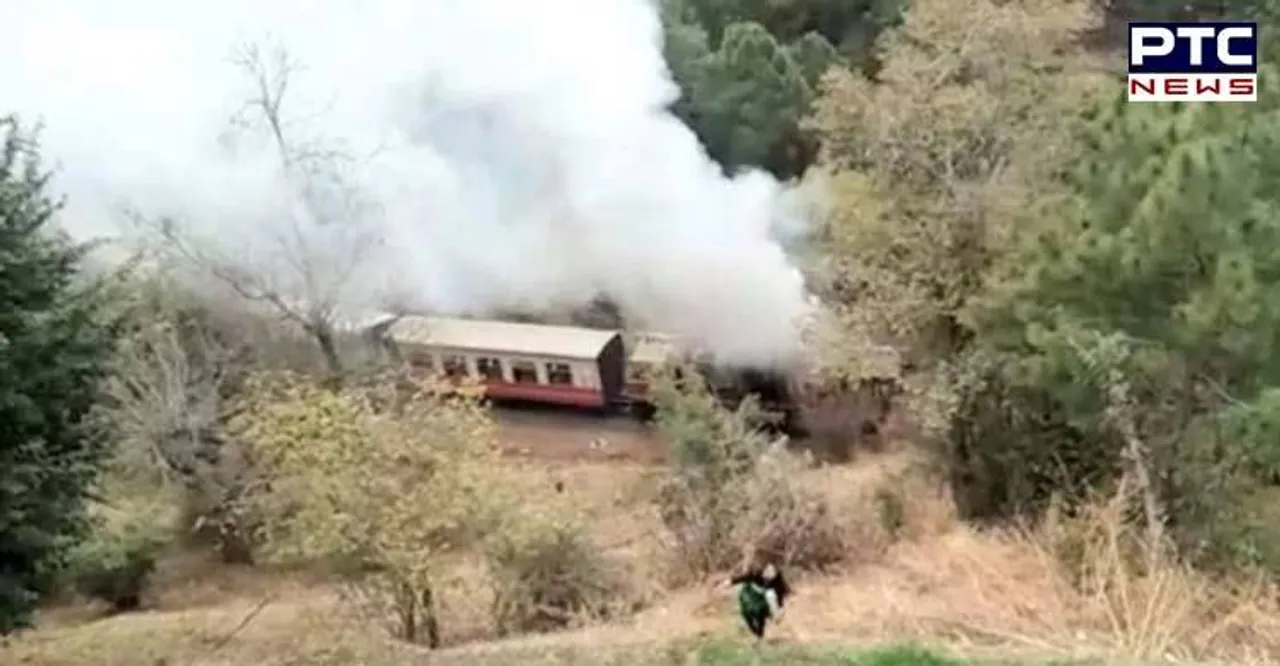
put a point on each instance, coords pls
(389, 476)
(547, 573)
(732, 495)
(713, 450)
(1008, 446)
(784, 521)
(114, 564)
(165, 405)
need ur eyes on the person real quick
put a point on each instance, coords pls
(761, 597)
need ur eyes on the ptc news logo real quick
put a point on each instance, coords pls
(1193, 62)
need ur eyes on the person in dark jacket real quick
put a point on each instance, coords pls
(761, 597)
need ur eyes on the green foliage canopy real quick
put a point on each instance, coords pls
(53, 350)
(749, 71)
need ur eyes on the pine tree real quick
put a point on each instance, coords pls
(1161, 275)
(1173, 237)
(52, 352)
(748, 75)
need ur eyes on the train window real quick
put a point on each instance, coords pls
(524, 372)
(559, 373)
(489, 367)
(423, 362)
(455, 366)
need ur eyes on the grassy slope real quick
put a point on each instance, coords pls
(905, 655)
(942, 584)
(726, 653)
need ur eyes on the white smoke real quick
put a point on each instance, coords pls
(519, 153)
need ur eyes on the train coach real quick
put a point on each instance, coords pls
(601, 370)
(557, 365)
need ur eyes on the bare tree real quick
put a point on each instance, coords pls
(166, 403)
(317, 243)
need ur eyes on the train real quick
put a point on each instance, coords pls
(605, 371)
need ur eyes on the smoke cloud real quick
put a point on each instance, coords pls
(497, 153)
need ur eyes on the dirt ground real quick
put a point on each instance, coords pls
(562, 435)
(575, 436)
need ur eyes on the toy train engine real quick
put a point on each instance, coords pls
(775, 390)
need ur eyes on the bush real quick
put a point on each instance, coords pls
(116, 562)
(732, 495)
(1082, 410)
(1009, 446)
(174, 376)
(784, 521)
(389, 476)
(547, 574)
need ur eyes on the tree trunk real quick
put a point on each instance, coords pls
(1135, 451)
(417, 611)
(325, 339)
(428, 603)
(407, 607)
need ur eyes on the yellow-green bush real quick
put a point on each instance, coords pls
(393, 474)
(131, 532)
(547, 573)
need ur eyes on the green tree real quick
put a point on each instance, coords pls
(1145, 315)
(958, 142)
(1116, 14)
(744, 88)
(53, 348)
(850, 26)
(958, 138)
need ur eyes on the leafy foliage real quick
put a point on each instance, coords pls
(131, 531)
(165, 404)
(547, 573)
(935, 162)
(732, 495)
(937, 167)
(53, 349)
(748, 73)
(1159, 271)
(391, 475)
(1087, 280)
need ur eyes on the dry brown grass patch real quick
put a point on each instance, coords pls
(310, 627)
(1011, 591)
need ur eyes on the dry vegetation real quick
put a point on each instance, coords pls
(908, 570)
(1063, 488)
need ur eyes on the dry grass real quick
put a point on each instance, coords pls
(937, 581)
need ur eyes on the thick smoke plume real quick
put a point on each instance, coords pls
(501, 153)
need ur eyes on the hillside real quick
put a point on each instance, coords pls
(975, 593)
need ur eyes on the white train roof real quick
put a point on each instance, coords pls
(500, 337)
